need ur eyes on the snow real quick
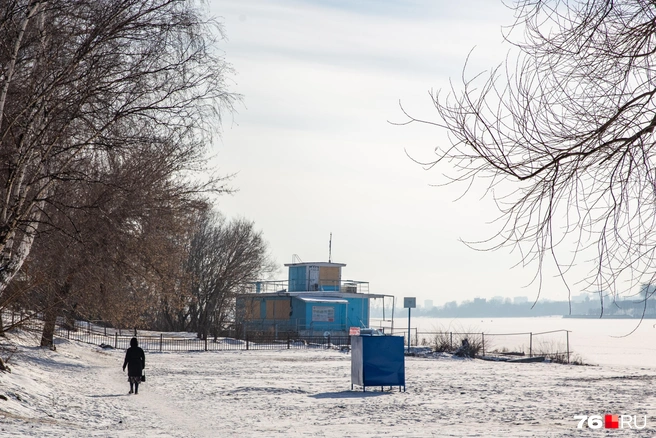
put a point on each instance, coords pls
(625, 342)
(79, 390)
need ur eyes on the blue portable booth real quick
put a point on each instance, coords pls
(377, 361)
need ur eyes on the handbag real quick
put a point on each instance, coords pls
(143, 376)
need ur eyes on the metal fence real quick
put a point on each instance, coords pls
(552, 344)
(99, 333)
(178, 343)
(28, 321)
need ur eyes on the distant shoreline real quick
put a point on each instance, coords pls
(595, 316)
(610, 316)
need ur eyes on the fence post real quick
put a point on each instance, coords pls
(567, 333)
(246, 342)
(328, 341)
(160, 342)
(450, 341)
(483, 341)
(288, 341)
(88, 326)
(205, 342)
(530, 345)
(115, 340)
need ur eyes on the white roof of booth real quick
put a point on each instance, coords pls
(322, 300)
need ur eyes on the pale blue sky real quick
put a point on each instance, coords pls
(314, 152)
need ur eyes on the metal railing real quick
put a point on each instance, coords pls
(271, 286)
(99, 333)
(280, 327)
(552, 344)
(164, 343)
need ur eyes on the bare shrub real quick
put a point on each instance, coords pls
(440, 342)
(557, 353)
(449, 340)
(470, 346)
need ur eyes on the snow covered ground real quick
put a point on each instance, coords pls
(80, 390)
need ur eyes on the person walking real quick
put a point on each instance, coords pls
(135, 360)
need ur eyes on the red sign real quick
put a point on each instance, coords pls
(354, 331)
(611, 421)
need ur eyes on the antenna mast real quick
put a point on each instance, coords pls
(330, 248)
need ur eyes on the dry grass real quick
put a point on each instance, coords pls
(443, 341)
(450, 341)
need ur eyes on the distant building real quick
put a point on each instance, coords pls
(313, 300)
(581, 298)
(520, 300)
(428, 304)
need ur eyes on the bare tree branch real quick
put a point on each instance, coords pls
(563, 133)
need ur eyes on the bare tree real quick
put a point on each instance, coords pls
(115, 258)
(85, 84)
(224, 256)
(562, 134)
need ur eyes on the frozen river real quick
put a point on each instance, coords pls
(597, 341)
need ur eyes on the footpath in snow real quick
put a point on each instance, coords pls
(80, 390)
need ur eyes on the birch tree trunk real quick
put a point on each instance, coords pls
(87, 86)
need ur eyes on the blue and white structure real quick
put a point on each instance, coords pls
(314, 299)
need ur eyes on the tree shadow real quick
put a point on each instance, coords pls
(350, 394)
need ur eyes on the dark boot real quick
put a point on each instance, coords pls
(131, 388)
(136, 388)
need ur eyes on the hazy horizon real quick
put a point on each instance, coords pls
(314, 153)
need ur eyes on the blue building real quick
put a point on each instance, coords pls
(313, 300)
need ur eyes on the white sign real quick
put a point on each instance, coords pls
(323, 313)
(409, 302)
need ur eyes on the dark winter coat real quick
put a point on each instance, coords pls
(135, 361)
